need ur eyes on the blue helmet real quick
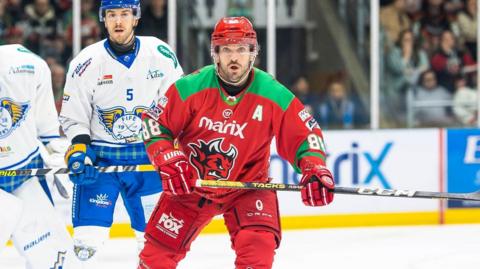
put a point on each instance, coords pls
(112, 4)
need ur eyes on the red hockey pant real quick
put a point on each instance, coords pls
(252, 221)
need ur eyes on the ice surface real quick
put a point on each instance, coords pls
(412, 247)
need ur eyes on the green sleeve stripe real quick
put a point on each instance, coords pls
(163, 131)
(303, 151)
(156, 139)
(266, 86)
(196, 82)
(164, 134)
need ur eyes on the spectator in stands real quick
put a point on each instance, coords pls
(413, 9)
(5, 20)
(465, 103)
(301, 89)
(394, 19)
(433, 23)
(467, 22)
(337, 111)
(405, 62)
(15, 9)
(154, 20)
(453, 7)
(90, 27)
(63, 6)
(429, 90)
(450, 61)
(58, 81)
(56, 49)
(14, 35)
(41, 24)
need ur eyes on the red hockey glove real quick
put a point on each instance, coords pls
(317, 181)
(175, 171)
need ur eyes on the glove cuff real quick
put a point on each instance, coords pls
(312, 166)
(80, 148)
(158, 148)
(168, 157)
(309, 162)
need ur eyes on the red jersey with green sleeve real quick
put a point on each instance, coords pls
(228, 138)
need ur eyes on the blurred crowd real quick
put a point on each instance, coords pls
(45, 27)
(429, 62)
(429, 55)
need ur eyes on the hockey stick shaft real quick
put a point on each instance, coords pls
(474, 196)
(63, 171)
(56, 182)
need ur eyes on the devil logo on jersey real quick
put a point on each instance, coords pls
(211, 161)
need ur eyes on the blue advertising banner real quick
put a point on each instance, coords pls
(463, 163)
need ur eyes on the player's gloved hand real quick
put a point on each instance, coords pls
(175, 171)
(80, 159)
(317, 181)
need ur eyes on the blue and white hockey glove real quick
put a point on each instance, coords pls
(80, 159)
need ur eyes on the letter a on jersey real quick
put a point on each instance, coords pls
(257, 115)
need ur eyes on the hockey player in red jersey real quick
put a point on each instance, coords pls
(225, 117)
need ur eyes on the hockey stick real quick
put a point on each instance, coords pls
(56, 182)
(63, 171)
(473, 196)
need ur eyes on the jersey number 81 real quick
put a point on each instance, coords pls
(315, 142)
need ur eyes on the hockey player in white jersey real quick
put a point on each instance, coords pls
(27, 115)
(108, 86)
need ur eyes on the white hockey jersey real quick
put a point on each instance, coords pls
(105, 95)
(27, 108)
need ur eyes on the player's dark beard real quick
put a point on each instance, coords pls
(233, 90)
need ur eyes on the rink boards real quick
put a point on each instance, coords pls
(419, 159)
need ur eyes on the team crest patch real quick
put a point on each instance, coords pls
(11, 115)
(211, 161)
(122, 124)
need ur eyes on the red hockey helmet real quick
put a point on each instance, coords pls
(234, 30)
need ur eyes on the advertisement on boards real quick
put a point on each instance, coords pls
(389, 159)
(463, 164)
